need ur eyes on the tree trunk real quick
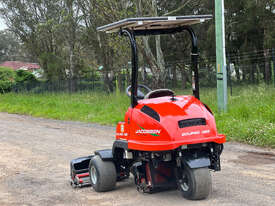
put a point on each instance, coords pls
(252, 73)
(184, 77)
(151, 60)
(121, 80)
(244, 75)
(107, 75)
(174, 79)
(71, 38)
(157, 64)
(72, 79)
(108, 83)
(267, 67)
(160, 57)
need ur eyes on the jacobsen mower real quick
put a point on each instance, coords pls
(165, 141)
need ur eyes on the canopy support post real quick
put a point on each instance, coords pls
(132, 38)
(194, 62)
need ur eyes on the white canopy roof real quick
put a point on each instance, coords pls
(153, 23)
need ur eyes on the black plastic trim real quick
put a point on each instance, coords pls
(105, 155)
(80, 165)
(150, 112)
(209, 110)
(192, 122)
(198, 161)
(120, 144)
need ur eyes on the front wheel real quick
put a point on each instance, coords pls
(102, 174)
(195, 184)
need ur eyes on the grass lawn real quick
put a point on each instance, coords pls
(250, 119)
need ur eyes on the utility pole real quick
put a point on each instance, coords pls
(220, 56)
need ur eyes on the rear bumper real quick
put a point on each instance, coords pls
(171, 145)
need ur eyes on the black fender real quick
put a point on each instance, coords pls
(196, 160)
(105, 155)
(80, 165)
(119, 146)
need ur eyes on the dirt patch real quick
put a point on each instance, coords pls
(255, 158)
(35, 155)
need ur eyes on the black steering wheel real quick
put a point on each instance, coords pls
(141, 89)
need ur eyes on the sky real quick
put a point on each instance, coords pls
(2, 24)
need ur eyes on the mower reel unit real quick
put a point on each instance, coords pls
(165, 141)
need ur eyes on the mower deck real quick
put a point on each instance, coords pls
(80, 176)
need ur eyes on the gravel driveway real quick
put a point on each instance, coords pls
(34, 168)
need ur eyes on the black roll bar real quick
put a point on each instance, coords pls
(132, 38)
(194, 56)
(194, 62)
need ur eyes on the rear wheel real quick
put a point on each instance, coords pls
(195, 184)
(102, 174)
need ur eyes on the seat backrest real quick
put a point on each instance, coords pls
(159, 93)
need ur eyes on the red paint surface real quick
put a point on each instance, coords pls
(83, 175)
(170, 136)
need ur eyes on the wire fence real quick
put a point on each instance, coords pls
(75, 85)
(253, 67)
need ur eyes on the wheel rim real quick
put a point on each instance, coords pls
(93, 175)
(184, 183)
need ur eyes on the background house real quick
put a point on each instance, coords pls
(34, 68)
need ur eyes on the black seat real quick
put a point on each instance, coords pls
(159, 93)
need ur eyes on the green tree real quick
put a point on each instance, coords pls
(49, 31)
(109, 50)
(9, 46)
(7, 79)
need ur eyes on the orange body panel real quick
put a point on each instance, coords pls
(144, 133)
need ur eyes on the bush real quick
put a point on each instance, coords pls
(24, 77)
(7, 79)
(25, 80)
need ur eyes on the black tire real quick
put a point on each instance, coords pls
(102, 174)
(195, 184)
